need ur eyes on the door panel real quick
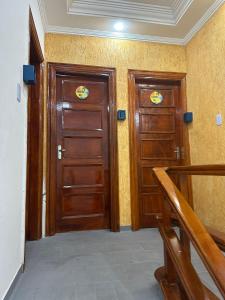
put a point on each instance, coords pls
(158, 149)
(151, 203)
(88, 175)
(69, 87)
(82, 119)
(157, 123)
(167, 93)
(83, 169)
(158, 137)
(83, 147)
(73, 205)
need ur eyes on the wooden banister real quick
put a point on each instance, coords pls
(193, 286)
(210, 170)
(194, 230)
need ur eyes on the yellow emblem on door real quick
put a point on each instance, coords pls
(82, 92)
(156, 97)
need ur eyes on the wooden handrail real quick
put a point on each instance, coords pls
(207, 249)
(209, 170)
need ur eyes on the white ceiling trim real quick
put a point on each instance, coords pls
(114, 35)
(209, 13)
(136, 11)
(149, 38)
(180, 7)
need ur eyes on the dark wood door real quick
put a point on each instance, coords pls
(83, 166)
(159, 142)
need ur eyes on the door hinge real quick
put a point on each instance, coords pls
(178, 153)
(60, 151)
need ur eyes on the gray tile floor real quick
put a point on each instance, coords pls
(94, 265)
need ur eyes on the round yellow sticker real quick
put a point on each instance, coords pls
(82, 92)
(156, 97)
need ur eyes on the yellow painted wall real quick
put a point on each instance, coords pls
(122, 55)
(206, 98)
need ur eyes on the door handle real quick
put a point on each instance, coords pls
(60, 151)
(178, 153)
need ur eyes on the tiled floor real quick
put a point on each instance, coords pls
(97, 265)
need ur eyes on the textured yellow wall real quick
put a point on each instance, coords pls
(122, 55)
(206, 98)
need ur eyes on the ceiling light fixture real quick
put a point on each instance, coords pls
(119, 26)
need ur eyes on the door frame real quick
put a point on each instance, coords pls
(35, 116)
(72, 69)
(133, 76)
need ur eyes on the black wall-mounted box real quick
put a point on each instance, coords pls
(188, 117)
(121, 115)
(29, 76)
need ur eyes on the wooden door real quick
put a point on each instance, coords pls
(158, 137)
(83, 165)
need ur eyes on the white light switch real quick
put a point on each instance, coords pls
(219, 120)
(18, 93)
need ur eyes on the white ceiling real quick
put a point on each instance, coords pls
(166, 21)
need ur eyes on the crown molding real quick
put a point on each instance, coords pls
(114, 35)
(126, 36)
(175, 4)
(136, 11)
(209, 13)
(180, 8)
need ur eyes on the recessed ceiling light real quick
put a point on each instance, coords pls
(119, 26)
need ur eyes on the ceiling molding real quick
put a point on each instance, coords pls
(136, 11)
(209, 13)
(180, 8)
(115, 35)
(126, 36)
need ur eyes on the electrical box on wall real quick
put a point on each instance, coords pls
(121, 115)
(29, 76)
(188, 117)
